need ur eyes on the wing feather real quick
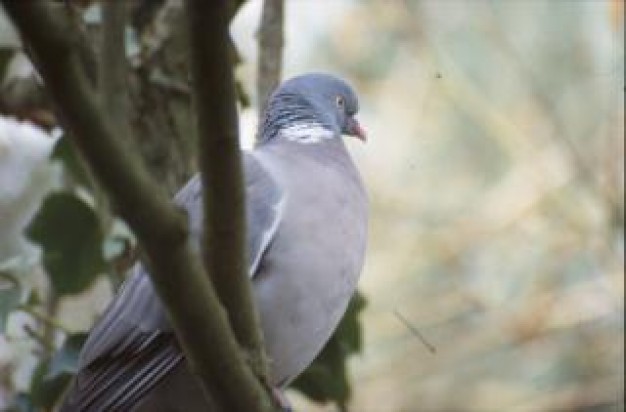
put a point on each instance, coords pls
(133, 347)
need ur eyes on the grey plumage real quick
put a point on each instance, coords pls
(307, 222)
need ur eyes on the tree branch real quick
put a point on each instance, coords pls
(220, 165)
(112, 83)
(198, 318)
(270, 50)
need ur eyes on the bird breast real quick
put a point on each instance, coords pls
(315, 257)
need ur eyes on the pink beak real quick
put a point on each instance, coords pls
(355, 129)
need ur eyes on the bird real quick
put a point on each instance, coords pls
(307, 219)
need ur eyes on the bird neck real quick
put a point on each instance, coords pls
(290, 117)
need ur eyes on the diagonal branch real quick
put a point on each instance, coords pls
(198, 318)
(220, 164)
(112, 85)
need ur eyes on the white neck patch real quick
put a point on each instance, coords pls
(306, 133)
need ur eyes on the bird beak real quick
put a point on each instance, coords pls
(355, 129)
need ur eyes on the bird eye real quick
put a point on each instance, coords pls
(340, 101)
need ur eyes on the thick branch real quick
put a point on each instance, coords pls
(112, 87)
(198, 318)
(220, 164)
(270, 50)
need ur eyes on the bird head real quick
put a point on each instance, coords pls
(311, 108)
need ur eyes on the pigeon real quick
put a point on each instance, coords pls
(307, 217)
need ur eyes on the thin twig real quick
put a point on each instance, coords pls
(415, 331)
(47, 346)
(45, 319)
(50, 324)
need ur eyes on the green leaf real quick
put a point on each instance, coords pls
(65, 153)
(10, 293)
(326, 378)
(65, 360)
(242, 95)
(350, 331)
(69, 232)
(45, 392)
(51, 377)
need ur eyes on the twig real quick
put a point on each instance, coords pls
(49, 322)
(199, 320)
(47, 346)
(45, 319)
(270, 50)
(415, 331)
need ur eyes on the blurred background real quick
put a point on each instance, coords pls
(495, 167)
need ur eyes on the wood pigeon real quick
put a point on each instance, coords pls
(307, 229)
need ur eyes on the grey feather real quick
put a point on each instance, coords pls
(264, 201)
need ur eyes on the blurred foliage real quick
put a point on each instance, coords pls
(51, 377)
(70, 235)
(64, 152)
(10, 293)
(65, 360)
(43, 392)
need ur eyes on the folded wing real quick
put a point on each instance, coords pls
(133, 347)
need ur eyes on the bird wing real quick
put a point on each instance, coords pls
(132, 347)
(265, 201)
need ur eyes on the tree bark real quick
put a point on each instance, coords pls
(113, 72)
(223, 247)
(270, 50)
